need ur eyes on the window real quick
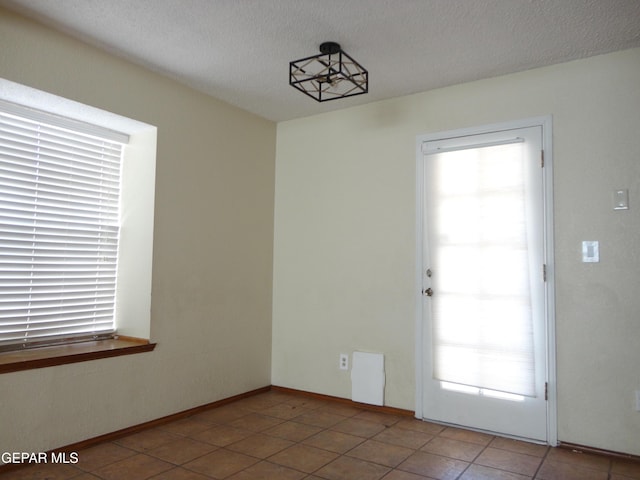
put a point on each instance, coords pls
(76, 221)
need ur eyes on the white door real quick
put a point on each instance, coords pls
(483, 279)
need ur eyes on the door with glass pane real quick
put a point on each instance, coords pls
(483, 283)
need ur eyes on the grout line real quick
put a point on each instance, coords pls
(345, 454)
(544, 459)
(472, 462)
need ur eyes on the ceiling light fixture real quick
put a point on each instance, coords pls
(331, 75)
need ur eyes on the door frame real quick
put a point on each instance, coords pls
(549, 289)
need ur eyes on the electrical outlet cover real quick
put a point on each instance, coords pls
(344, 361)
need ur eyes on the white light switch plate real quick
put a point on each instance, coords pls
(590, 251)
(621, 199)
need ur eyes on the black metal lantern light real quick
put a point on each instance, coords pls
(331, 75)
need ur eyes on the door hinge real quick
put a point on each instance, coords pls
(544, 272)
(546, 391)
(541, 158)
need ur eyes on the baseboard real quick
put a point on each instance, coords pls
(409, 413)
(598, 451)
(346, 401)
(109, 437)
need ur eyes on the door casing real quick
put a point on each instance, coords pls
(546, 123)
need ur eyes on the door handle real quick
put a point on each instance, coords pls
(428, 292)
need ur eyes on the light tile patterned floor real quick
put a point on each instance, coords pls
(284, 436)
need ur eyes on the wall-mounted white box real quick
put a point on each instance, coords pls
(367, 378)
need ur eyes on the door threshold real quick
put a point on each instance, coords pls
(489, 432)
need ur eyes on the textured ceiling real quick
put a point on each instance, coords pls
(239, 50)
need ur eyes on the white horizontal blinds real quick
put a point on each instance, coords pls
(59, 226)
(483, 326)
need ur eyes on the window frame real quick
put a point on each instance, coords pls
(133, 304)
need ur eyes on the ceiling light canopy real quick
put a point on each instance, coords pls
(331, 75)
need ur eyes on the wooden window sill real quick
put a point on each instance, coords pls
(72, 353)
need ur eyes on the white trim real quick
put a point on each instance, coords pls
(419, 323)
(552, 410)
(428, 151)
(547, 132)
(490, 128)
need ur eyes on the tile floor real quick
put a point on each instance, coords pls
(285, 436)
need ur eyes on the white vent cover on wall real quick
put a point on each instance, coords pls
(367, 378)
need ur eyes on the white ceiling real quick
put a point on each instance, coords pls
(239, 50)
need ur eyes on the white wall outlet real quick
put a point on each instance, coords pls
(344, 361)
(637, 400)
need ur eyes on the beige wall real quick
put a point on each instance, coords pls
(344, 253)
(212, 259)
(344, 243)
